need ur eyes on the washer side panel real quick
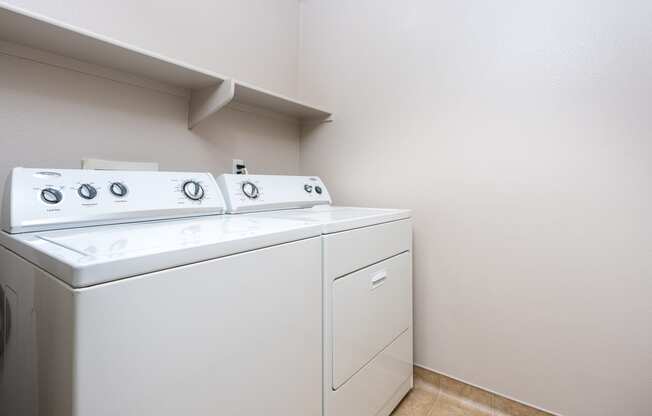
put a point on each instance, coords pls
(36, 366)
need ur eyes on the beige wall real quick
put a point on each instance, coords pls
(54, 117)
(520, 134)
(252, 40)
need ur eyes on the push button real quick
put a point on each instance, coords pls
(307, 188)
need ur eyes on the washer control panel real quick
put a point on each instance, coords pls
(45, 199)
(252, 193)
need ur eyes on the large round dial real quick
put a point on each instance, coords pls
(87, 191)
(118, 189)
(51, 196)
(193, 190)
(250, 190)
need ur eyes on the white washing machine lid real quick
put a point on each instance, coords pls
(333, 219)
(88, 256)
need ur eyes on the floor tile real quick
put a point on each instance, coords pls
(426, 378)
(417, 403)
(452, 406)
(474, 396)
(426, 384)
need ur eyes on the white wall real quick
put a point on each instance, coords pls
(519, 132)
(53, 117)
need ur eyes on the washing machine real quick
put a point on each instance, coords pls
(367, 287)
(129, 293)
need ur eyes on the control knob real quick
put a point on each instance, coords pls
(51, 196)
(118, 189)
(193, 190)
(87, 191)
(250, 190)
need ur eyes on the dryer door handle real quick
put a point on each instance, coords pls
(378, 279)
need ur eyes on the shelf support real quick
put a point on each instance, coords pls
(209, 100)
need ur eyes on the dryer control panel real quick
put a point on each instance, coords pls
(253, 193)
(46, 199)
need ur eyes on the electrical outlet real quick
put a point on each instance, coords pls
(238, 167)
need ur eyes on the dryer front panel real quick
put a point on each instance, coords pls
(370, 309)
(348, 251)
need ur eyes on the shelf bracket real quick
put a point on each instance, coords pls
(209, 100)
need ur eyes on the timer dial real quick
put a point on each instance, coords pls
(51, 196)
(193, 190)
(87, 191)
(250, 190)
(118, 189)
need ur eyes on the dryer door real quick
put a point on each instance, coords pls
(370, 309)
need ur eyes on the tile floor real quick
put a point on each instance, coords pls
(423, 402)
(437, 395)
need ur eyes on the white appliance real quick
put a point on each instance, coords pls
(205, 314)
(367, 278)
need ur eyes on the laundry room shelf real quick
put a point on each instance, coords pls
(42, 39)
(230, 92)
